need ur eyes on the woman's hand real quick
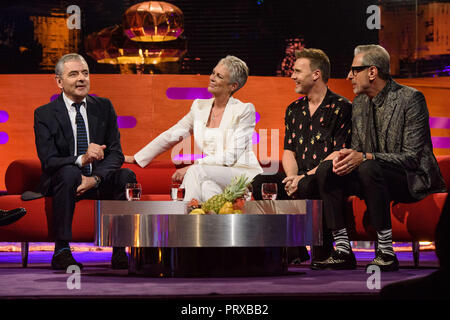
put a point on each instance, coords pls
(178, 176)
(130, 159)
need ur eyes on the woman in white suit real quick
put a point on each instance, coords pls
(222, 128)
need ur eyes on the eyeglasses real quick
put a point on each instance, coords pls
(356, 69)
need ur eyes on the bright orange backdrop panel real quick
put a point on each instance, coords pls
(144, 97)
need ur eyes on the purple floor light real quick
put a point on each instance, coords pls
(4, 116)
(178, 93)
(188, 157)
(441, 142)
(255, 138)
(440, 123)
(126, 122)
(3, 137)
(55, 96)
(257, 117)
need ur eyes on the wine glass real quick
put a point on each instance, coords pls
(269, 191)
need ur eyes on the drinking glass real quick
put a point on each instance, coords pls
(177, 192)
(269, 191)
(133, 191)
(248, 193)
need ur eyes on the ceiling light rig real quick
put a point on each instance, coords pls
(150, 35)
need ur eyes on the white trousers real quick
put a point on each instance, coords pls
(204, 181)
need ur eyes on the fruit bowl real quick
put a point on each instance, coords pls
(230, 201)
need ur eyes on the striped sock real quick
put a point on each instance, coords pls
(385, 241)
(341, 238)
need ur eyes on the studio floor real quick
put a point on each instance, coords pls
(38, 284)
(97, 279)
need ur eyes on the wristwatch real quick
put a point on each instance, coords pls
(98, 180)
(364, 156)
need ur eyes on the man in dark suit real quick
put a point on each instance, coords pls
(391, 157)
(78, 144)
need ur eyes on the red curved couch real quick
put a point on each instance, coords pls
(410, 222)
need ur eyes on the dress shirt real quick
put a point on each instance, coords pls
(72, 114)
(313, 138)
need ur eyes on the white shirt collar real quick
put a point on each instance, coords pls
(69, 102)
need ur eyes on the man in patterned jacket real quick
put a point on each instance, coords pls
(391, 157)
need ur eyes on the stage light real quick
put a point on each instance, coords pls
(110, 46)
(104, 45)
(153, 21)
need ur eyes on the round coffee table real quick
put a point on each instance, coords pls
(165, 241)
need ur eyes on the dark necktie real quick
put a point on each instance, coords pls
(82, 141)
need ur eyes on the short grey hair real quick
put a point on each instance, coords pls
(375, 55)
(59, 68)
(238, 70)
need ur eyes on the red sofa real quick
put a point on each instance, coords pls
(410, 222)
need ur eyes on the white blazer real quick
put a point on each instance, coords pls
(233, 142)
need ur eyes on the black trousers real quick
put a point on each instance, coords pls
(63, 192)
(308, 188)
(378, 183)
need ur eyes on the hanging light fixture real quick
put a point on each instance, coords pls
(104, 45)
(153, 21)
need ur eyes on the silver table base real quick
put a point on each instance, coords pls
(166, 241)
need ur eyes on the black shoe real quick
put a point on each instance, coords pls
(386, 262)
(337, 261)
(297, 255)
(320, 253)
(119, 260)
(64, 259)
(10, 216)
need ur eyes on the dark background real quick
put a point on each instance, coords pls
(254, 30)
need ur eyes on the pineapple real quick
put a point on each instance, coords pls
(235, 190)
(226, 208)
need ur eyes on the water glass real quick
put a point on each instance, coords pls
(269, 191)
(133, 191)
(177, 192)
(248, 193)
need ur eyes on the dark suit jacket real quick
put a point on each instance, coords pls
(55, 142)
(408, 138)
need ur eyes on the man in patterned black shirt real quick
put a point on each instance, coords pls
(317, 126)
